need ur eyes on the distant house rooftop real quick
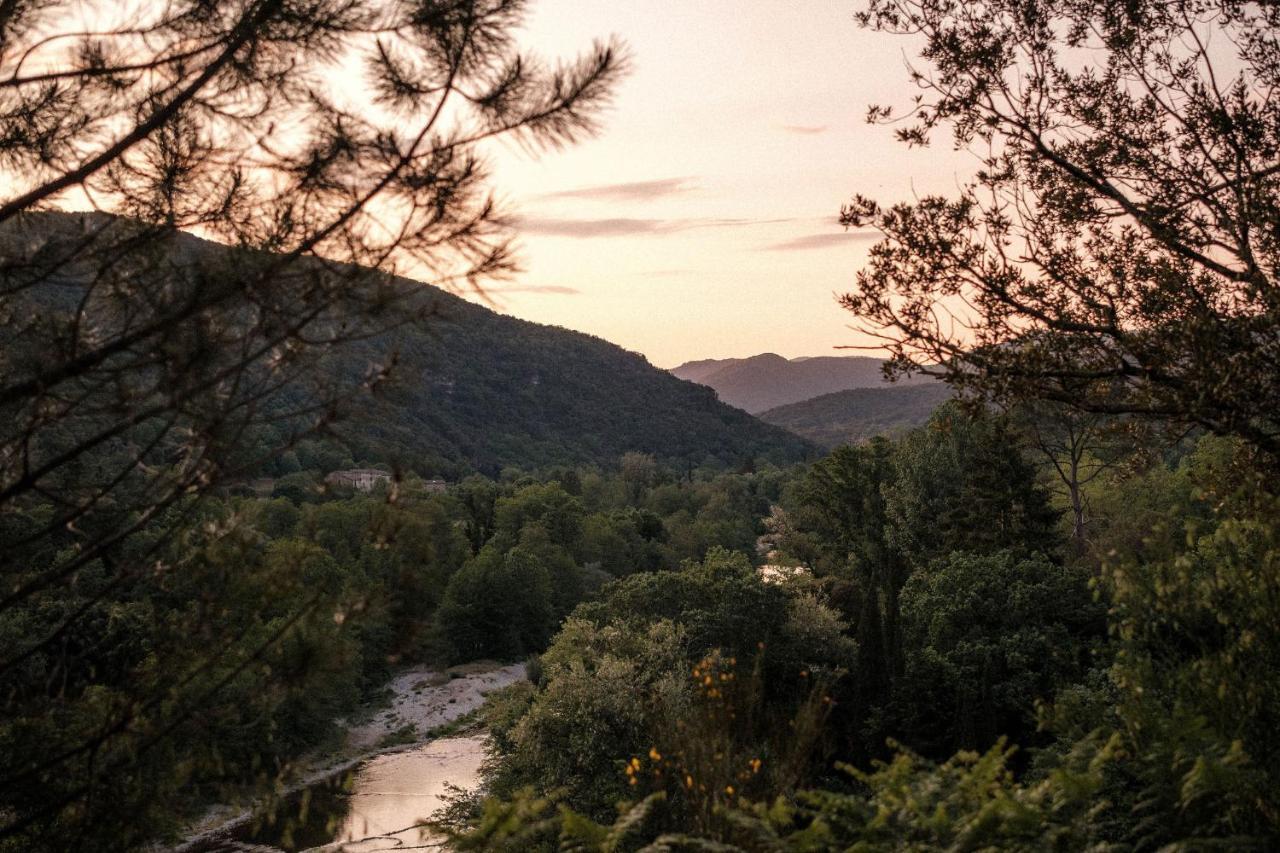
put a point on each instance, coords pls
(360, 479)
(367, 479)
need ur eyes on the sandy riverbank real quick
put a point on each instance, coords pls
(421, 700)
(426, 699)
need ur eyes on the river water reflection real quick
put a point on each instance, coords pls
(389, 797)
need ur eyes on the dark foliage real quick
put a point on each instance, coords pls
(1117, 248)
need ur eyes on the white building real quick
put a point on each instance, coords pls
(360, 479)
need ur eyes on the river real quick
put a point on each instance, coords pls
(379, 802)
(389, 796)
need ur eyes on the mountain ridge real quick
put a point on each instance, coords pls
(568, 397)
(849, 417)
(766, 381)
(475, 390)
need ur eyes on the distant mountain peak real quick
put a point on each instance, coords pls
(768, 380)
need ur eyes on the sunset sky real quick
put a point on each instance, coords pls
(701, 222)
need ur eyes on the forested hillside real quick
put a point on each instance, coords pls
(479, 389)
(847, 417)
(468, 389)
(766, 381)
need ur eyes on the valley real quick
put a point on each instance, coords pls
(343, 507)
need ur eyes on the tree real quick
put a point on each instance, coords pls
(874, 519)
(617, 686)
(558, 512)
(841, 521)
(639, 473)
(245, 218)
(1195, 677)
(1117, 250)
(987, 637)
(479, 497)
(498, 605)
(961, 484)
(1074, 445)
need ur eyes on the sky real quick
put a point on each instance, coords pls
(701, 221)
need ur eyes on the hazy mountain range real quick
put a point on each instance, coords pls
(767, 381)
(830, 400)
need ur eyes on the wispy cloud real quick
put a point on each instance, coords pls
(615, 227)
(663, 273)
(805, 129)
(822, 241)
(634, 191)
(627, 226)
(732, 223)
(499, 290)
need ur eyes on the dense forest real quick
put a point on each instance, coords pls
(309, 601)
(478, 390)
(947, 673)
(983, 679)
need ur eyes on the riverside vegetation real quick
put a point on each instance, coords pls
(311, 599)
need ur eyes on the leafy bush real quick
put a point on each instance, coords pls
(617, 685)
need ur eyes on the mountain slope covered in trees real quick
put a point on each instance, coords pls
(469, 389)
(479, 389)
(847, 417)
(767, 381)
